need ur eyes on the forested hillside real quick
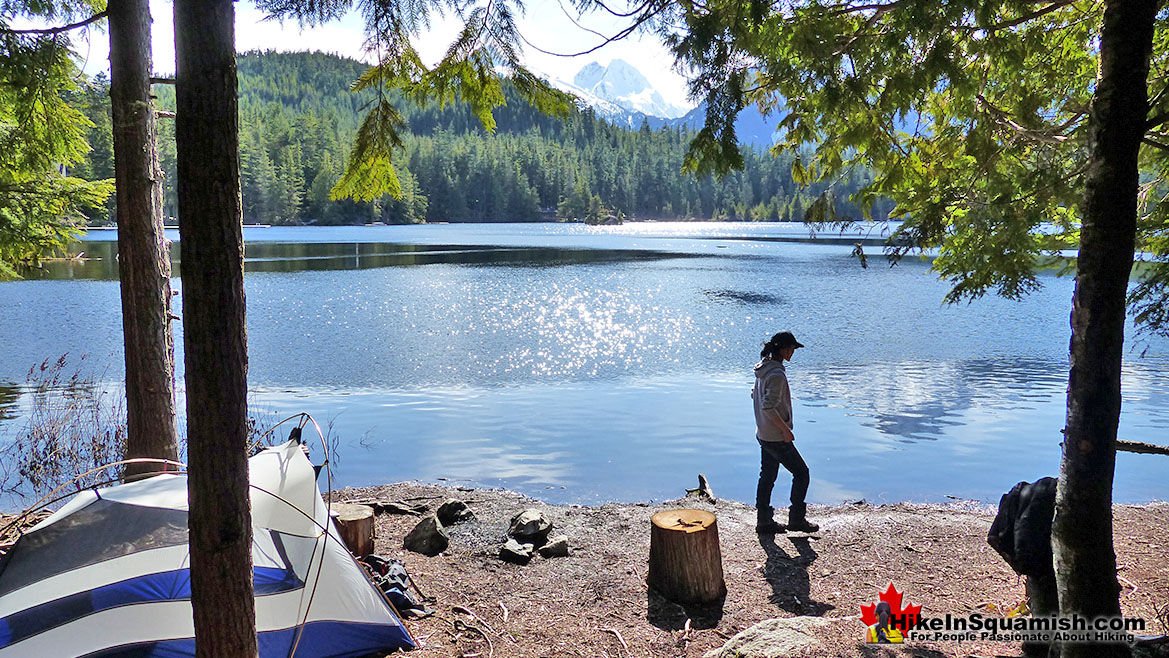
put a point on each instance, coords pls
(298, 119)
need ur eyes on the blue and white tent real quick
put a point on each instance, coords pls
(107, 575)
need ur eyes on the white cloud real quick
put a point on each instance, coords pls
(545, 24)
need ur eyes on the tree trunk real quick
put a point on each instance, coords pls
(1082, 530)
(143, 256)
(215, 339)
(685, 561)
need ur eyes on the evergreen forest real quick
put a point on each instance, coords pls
(298, 119)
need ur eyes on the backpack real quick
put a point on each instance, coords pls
(1021, 532)
(391, 577)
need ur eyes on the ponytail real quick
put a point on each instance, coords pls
(770, 350)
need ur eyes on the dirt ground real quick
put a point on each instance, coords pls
(595, 603)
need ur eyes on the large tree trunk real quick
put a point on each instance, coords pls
(1082, 532)
(143, 256)
(215, 340)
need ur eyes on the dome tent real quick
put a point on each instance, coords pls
(107, 575)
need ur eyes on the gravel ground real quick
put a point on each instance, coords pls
(595, 603)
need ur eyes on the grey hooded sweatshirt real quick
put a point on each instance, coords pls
(771, 396)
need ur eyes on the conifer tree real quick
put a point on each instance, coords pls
(42, 206)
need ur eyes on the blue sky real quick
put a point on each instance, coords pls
(545, 24)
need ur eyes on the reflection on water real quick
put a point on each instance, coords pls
(9, 396)
(915, 400)
(99, 259)
(740, 297)
(616, 362)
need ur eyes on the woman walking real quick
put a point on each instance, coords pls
(773, 430)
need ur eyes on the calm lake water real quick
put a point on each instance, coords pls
(585, 364)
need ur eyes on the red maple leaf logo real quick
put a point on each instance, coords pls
(902, 618)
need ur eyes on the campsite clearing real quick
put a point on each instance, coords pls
(595, 602)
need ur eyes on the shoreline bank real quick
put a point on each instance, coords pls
(595, 602)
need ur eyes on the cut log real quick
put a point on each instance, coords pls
(685, 562)
(355, 523)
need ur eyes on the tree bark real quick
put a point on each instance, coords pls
(143, 254)
(1082, 530)
(215, 338)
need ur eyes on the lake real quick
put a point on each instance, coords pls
(588, 364)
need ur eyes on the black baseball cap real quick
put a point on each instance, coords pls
(785, 339)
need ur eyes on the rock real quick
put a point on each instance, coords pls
(427, 537)
(556, 547)
(454, 511)
(514, 551)
(530, 525)
(779, 638)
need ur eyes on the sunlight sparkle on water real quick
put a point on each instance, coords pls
(542, 356)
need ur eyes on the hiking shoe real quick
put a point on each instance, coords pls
(770, 528)
(802, 525)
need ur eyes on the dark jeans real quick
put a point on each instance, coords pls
(774, 454)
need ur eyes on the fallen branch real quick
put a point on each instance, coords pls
(472, 615)
(703, 490)
(504, 607)
(392, 506)
(1128, 582)
(460, 626)
(620, 639)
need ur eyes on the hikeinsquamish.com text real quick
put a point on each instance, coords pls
(976, 627)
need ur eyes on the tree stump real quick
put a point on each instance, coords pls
(685, 562)
(355, 523)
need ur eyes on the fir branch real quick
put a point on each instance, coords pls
(623, 33)
(53, 31)
(1156, 144)
(1030, 16)
(1157, 121)
(632, 12)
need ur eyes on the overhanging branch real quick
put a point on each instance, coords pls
(1053, 136)
(1157, 121)
(879, 8)
(624, 32)
(58, 30)
(1155, 144)
(1029, 16)
(1141, 448)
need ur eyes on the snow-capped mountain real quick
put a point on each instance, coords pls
(621, 95)
(619, 89)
